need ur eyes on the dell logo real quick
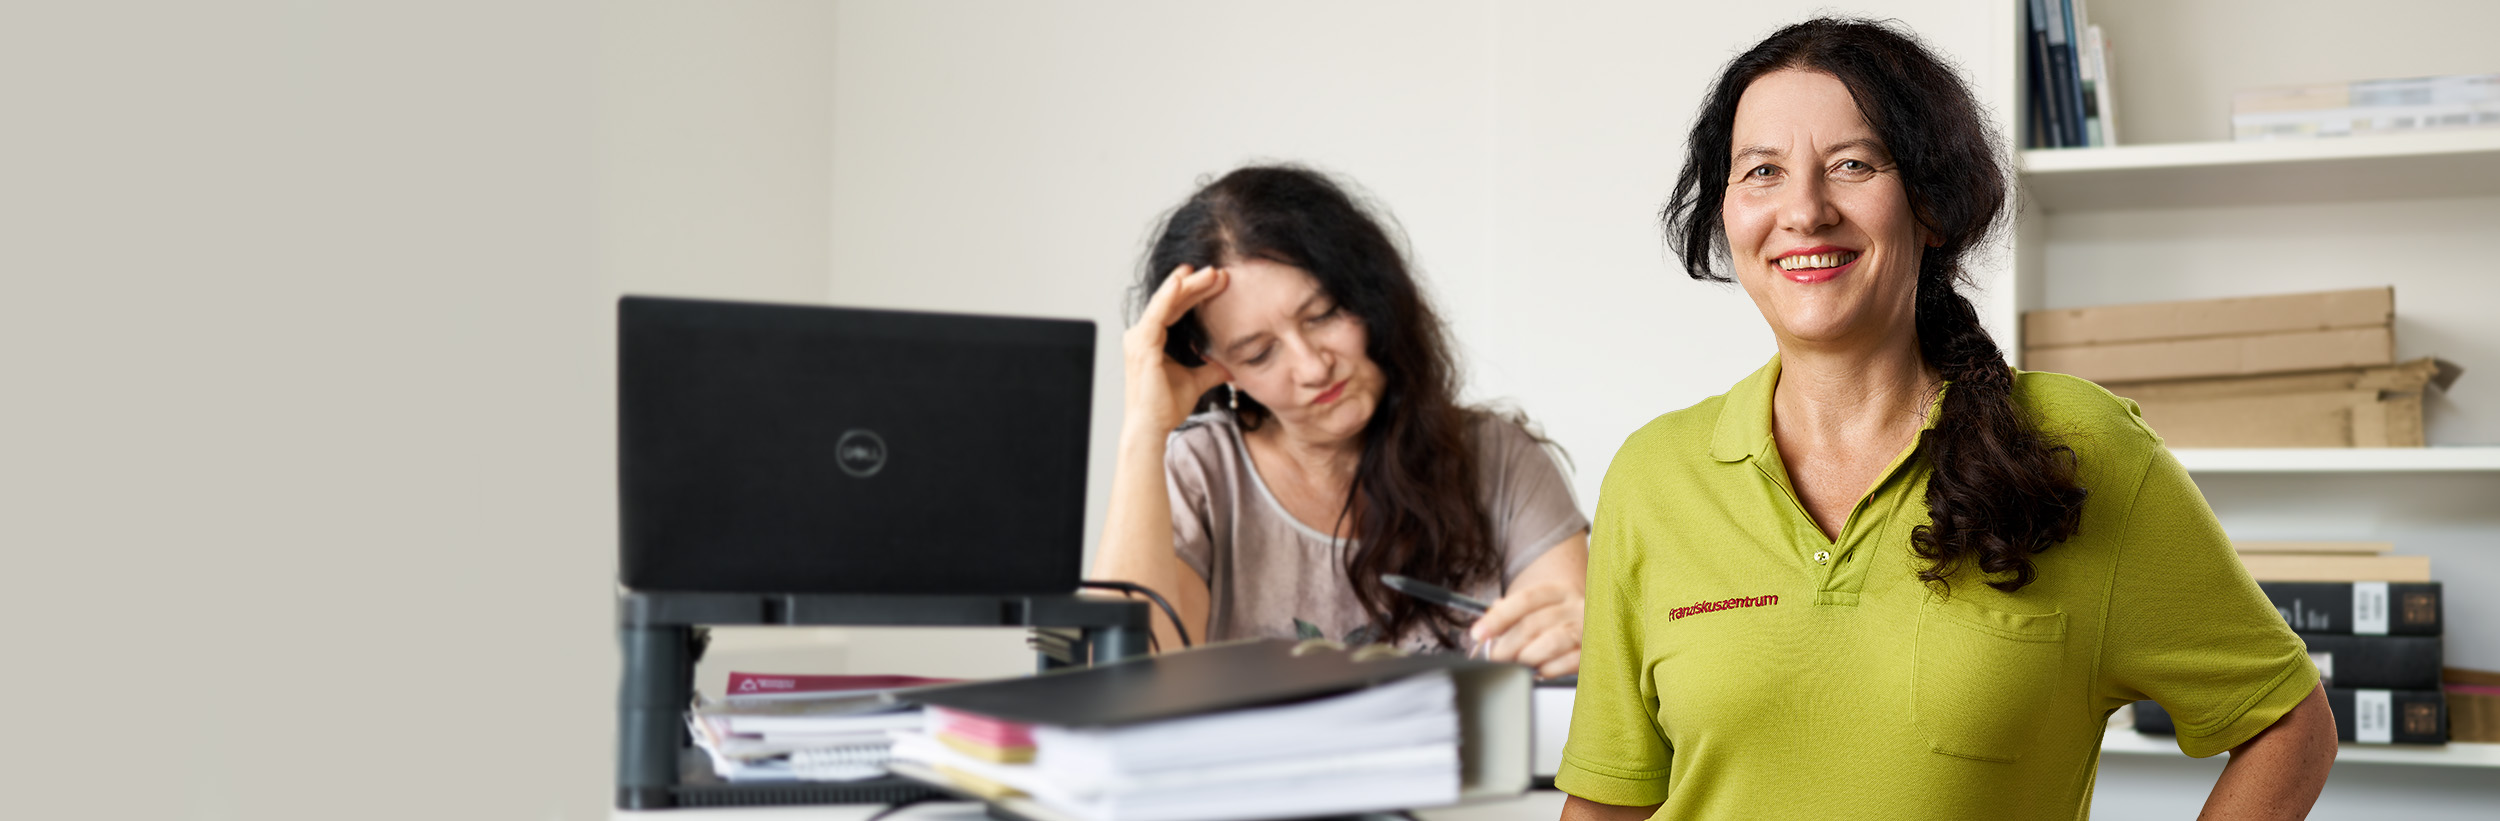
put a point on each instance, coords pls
(860, 452)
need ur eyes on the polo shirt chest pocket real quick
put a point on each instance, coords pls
(1983, 678)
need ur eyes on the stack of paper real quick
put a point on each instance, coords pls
(1386, 747)
(813, 728)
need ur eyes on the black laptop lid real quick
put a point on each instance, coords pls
(786, 448)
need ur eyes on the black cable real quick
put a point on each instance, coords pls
(1131, 587)
(899, 806)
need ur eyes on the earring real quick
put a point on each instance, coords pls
(1232, 396)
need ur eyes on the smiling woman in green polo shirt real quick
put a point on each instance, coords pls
(1887, 576)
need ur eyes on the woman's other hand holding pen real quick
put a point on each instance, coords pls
(1537, 622)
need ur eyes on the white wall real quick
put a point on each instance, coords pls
(308, 466)
(1015, 159)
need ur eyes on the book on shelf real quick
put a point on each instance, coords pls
(2056, 57)
(2332, 567)
(2087, 105)
(1239, 731)
(2097, 57)
(2473, 704)
(2376, 662)
(2039, 115)
(2067, 59)
(2361, 716)
(2358, 608)
(2328, 110)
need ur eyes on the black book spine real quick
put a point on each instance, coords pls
(2361, 716)
(2358, 608)
(2046, 95)
(2063, 82)
(2376, 662)
(2151, 719)
(2390, 716)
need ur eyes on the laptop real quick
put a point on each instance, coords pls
(801, 449)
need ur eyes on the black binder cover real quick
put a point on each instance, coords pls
(2409, 609)
(2420, 716)
(2376, 662)
(1205, 680)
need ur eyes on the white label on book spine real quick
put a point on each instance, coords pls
(2374, 716)
(2369, 608)
(2325, 662)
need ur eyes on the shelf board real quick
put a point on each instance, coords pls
(2339, 460)
(2453, 754)
(2348, 169)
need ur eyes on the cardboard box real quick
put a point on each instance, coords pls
(2403, 377)
(2191, 319)
(2473, 704)
(2336, 419)
(2355, 548)
(2377, 407)
(2327, 567)
(2219, 356)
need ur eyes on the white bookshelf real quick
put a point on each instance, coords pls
(2178, 211)
(2126, 741)
(2181, 175)
(2339, 460)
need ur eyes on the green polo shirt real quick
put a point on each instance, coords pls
(1738, 664)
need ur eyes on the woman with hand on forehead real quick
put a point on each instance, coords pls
(1292, 432)
(1887, 576)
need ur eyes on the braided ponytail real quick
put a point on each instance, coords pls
(2000, 490)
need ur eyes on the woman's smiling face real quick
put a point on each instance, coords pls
(1819, 225)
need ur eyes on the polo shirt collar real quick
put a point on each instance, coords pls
(1744, 429)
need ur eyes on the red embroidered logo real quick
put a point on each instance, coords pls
(1698, 608)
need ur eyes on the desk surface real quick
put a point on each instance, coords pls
(1537, 805)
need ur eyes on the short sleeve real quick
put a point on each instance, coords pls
(1188, 477)
(1615, 754)
(2188, 628)
(1527, 496)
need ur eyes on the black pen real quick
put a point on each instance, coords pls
(1435, 594)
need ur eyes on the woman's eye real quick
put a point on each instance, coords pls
(1762, 171)
(1326, 315)
(1260, 358)
(1856, 167)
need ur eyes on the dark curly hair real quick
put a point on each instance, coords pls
(1414, 497)
(2001, 490)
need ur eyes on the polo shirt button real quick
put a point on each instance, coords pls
(1822, 556)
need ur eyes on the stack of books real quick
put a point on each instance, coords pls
(2068, 60)
(1245, 730)
(2372, 622)
(2309, 370)
(805, 728)
(2363, 107)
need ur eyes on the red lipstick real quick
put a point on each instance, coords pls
(1809, 276)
